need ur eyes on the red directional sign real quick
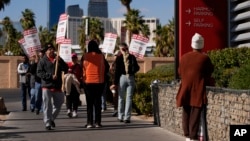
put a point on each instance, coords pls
(206, 17)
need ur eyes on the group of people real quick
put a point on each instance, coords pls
(49, 79)
(43, 76)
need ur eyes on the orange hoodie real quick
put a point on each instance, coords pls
(93, 68)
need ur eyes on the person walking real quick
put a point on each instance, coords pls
(194, 69)
(24, 79)
(95, 67)
(49, 70)
(35, 84)
(114, 89)
(72, 86)
(125, 68)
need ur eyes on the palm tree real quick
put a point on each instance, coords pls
(82, 36)
(3, 3)
(27, 21)
(13, 36)
(95, 31)
(126, 3)
(47, 36)
(134, 23)
(164, 40)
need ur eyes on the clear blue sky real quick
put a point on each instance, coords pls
(162, 9)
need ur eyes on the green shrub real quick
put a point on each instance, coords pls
(227, 62)
(241, 79)
(142, 101)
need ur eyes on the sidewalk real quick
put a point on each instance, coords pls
(27, 126)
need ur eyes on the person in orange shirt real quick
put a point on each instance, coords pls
(95, 67)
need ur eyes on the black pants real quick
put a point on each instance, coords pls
(93, 98)
(191, 121)
(72, 100)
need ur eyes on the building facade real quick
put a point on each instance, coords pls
(98, 8)
(239, 24)
(113, 25)
(74, 11)
(55, 9)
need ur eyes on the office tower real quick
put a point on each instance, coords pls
(55, 9)
(98, 8)
(74, 11)
(239, 23)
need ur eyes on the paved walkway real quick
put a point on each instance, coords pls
(27, 126)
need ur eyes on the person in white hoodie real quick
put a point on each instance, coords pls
(24, 77)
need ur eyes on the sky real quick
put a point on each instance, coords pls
(162, 9)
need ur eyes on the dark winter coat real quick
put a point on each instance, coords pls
(194, 69)
(46, 70)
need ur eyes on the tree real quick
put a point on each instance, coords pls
(95, 31)
(11, 44)
(134, 23)
(47, 36)
(164, 40)
(27, 21)
(3, 3)
(82, 36)
(126, 3)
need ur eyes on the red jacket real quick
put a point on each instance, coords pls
(194, 69)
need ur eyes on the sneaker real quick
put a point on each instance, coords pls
(98, 126)
(89, 126)
(69, 114)
(48, 128)
(32, 110)
(37, 112)
(103, 111)
(74, 114)
(114, 114)
(121, 120)
(127, 121)
(52, 123)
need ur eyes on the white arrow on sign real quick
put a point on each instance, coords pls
(188, 23)
(188, 11)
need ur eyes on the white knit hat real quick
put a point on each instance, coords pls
(197, 41)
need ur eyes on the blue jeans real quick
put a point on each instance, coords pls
(36, 97)
(126, 91)
(104, 96)
(24, 90)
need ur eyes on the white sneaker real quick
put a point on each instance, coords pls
(194, 140)
(74, 114)
(69, 114)
(90, 126)
(187, 139)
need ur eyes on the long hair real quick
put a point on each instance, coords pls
(93, 47)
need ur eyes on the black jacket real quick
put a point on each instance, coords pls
(46, 70)
(120, 67)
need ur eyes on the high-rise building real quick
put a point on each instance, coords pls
(74, 11)
(98, 8)
(239, 24)
(55, 9)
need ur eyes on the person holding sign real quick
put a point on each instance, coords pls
(194, 69)
(125, 68)
(49, 70)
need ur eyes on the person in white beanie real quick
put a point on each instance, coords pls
(194, 69)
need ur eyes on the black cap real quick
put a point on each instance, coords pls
(47, 46)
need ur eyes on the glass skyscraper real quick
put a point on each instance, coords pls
(98, 8)
(55, 9)
(74, 11)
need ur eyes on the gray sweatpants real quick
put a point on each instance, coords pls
(52, 102)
